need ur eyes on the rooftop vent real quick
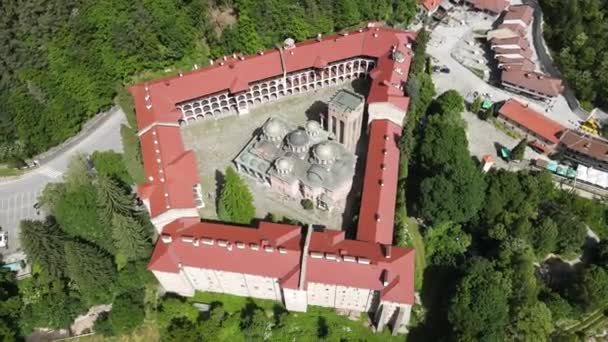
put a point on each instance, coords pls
(166, 238)
(377, 216)
(362, 260)
(349, 258)
(316, 255)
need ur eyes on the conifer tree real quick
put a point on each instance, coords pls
(131, 238)
(91, 270)
(518, 151)
(112, 199)
(236, 201)
(43, 243)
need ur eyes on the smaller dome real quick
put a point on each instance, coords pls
(298, 138)
(284, 164)
(316, 174)
(313, 126)
(273, 129)
(324, 151)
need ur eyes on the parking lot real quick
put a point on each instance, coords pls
(13, 209)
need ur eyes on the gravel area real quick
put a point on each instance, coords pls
(217, 142)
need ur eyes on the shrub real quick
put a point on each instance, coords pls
(307, 204)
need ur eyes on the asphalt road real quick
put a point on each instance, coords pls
(17, 196)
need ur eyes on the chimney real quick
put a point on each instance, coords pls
(242, 58)
(234, 55)
(211, 62)
(381, 182)
(225, 58)
(318, 37)
(377, 217)
(166, 238)
(385, 277)
(387, 251)
(195, 66)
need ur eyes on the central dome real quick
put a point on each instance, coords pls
(298, 138)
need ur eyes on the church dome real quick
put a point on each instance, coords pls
(313, 127)
(284, 165)
(324, 153)
(316, 174)
(273, 130)
(298, 141)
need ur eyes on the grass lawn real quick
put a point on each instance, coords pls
(418, 244)
(352, 330)
(8, 172)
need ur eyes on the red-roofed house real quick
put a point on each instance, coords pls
(489, 6)
(519, 15)
(429, 6)
(543, 133)
(531, 83)
(277, 261)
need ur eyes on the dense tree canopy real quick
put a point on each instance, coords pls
(577, 33)
(479, 310)
(62, 62)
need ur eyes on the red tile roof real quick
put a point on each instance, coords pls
(521, 12)
(278, 237)
(516, 28)
(430, 5)
(370, 267)
(519, 41)
(494, 6)
(532, 120)
(367, 271)
(377, 212)
(535, 81)
(585, 144)
(235, 74)
(170, 170)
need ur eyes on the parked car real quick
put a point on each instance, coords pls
(444, 70)
(3, 239)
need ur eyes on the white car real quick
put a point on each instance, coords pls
(3, 239)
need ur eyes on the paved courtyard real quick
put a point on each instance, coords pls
(217, 142)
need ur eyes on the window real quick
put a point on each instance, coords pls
(341, 132)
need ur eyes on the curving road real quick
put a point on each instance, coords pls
(17, 196)
(545, 60)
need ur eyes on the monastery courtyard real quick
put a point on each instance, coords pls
(216, 142)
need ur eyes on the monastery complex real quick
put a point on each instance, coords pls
(299, 266)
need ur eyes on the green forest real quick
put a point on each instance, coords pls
(64, 61)
(577, 33)
(486, 235)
